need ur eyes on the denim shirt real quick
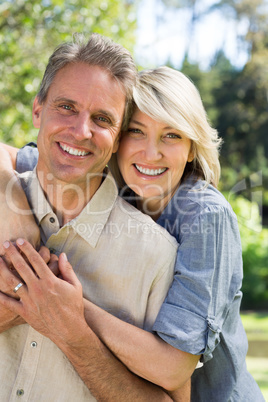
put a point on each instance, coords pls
(201, 313)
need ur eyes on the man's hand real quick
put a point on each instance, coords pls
(9, 278)
(52, 306)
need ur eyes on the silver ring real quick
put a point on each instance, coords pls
(17, 287)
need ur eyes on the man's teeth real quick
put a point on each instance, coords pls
(73, 151)
(150, 172)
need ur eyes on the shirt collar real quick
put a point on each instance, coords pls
(90, 223)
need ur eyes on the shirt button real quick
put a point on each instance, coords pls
(52, 220)
(52, 250)
(34, 344)
(20, 392)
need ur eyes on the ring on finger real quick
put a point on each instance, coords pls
(19, 285)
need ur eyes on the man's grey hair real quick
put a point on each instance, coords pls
(98, 51)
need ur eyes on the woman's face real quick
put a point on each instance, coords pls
(152, 157)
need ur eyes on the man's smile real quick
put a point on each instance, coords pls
(72, 150)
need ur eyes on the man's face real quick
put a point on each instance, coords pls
(78, 123)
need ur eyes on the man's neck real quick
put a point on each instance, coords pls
(66, 199)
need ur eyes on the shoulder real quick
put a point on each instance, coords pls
(193, 202)
(202, 198)
(142, 225)
(27, 157)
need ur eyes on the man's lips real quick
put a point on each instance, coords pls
(150, 172)
(71, 150)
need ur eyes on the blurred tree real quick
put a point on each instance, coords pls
(29, 32)
(254, 241)
(244, 123)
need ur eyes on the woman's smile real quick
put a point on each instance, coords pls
(149, 171)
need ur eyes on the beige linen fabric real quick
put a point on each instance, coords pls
(125, 264)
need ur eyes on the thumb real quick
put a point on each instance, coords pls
(66, 270)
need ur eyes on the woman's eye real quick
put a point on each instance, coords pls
(173, 136)
(135, 130)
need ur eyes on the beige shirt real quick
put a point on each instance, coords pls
(125, 264)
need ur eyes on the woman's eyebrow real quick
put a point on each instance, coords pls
(144, 125)
(137, 122)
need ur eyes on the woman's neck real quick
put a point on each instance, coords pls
(152, 207)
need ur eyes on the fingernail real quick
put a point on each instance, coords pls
(6, 244)
(20, 242)
(65, 256)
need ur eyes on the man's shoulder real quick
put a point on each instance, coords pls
(141, 224)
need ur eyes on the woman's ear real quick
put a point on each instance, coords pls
(36, 113)
(190, 157)
(191, 154)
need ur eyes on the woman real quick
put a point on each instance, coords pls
(167, 165)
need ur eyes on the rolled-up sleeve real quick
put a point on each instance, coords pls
(208, 274)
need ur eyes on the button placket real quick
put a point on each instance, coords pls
(28, 366)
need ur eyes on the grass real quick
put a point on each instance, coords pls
(256, 326)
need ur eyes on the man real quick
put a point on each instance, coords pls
(122, 259)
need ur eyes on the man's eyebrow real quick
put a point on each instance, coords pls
(67, 100)
(107, 114)
(73, 102)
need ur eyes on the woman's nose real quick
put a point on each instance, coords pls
(152, 151)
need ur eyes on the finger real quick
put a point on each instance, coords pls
(19, 263)
(44, 253)
(36, 261)
(54, 265)
(9, 281)
(7, 259)
(67, 271)
(11, 304)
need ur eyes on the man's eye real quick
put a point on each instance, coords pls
(66, 107)
(103, 119)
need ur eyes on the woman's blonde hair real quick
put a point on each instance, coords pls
(168, 96)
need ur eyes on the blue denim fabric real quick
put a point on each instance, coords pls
(201, 312)
(27, 158)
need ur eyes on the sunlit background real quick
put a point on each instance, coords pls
(222, 46)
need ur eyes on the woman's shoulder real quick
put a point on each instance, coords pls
(195, 200)
(27, 158)
(199, 196)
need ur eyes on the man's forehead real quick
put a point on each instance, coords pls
(81, 83)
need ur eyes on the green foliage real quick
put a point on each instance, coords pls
(29, 32)
(254, 240)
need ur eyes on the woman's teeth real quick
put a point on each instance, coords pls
(73, 151)
(150, 172)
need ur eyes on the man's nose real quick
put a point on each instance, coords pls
(82, 127)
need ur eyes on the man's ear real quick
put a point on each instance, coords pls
(36, 114)
(116, 144)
